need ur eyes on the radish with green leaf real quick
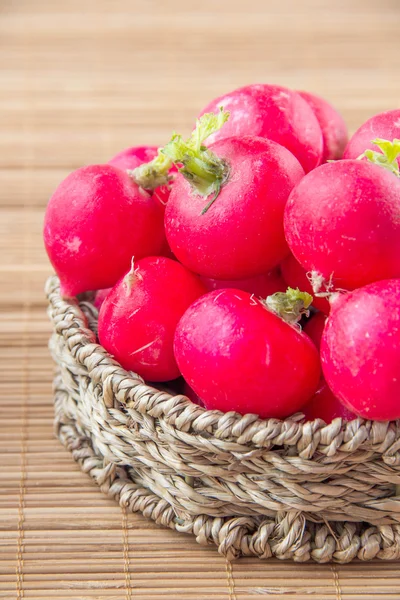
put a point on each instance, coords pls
(224, 217)
(238, 353)
(96, 220)
(342, 221)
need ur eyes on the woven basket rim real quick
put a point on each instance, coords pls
(247, 428)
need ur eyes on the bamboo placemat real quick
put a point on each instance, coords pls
(78, 82)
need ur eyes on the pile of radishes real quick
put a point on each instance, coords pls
(235, 263)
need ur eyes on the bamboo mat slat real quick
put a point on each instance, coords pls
(78, 82)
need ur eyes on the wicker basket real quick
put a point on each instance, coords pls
(252, 487)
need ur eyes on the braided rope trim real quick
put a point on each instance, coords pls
(288, 536)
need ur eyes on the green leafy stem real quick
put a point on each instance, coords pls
(386, 156)
(205, 171)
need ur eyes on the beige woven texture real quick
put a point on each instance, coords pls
(78, 82)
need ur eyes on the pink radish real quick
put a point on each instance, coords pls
(224, 217)
(261, 286)
(133, 157)
(324, 405)
(333, 127)
(273, 112)
(100, 296)
(140, 160)
(191, 394)
(239, 356)
(241, 234)
(385, 125)
(296, 277)
(314, 328)
(138, 318)
(96, 220)
(342, 222)
(360, 350)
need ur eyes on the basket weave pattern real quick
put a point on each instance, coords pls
(252, 487)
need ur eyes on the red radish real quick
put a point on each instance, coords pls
(132, 158)
(96, 220)
(161, 194)
(343, 222)
(385, 125)
(333, 127)
(100, 296)
(191, 394)
(224, 217)
(239, 356)
(273, 112)
(148, 169)
(138, 318)
(314, 328)
(261, 286)
(360, 350)
(324, 405)
(166, 251)
(296, 277)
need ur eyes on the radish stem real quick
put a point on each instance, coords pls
(387, 157)
(205, 171)
(201, 167)
(290, 305)
(152, 174)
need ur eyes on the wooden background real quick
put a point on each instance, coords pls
(80, 80)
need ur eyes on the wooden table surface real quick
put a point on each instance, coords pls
(78, 82)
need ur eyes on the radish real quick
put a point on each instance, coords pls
(191, 394)
(324, 405)
(138, 318)
(342, 222)
(276, 113)
(296, 277)
(96, 220)
(224, 217)
(261, 286)
(132, 158)
(360, 350)
(152, 171)
(333, 127)
(100, 296)
(314, 328)
(238, 355)
(385, 125)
